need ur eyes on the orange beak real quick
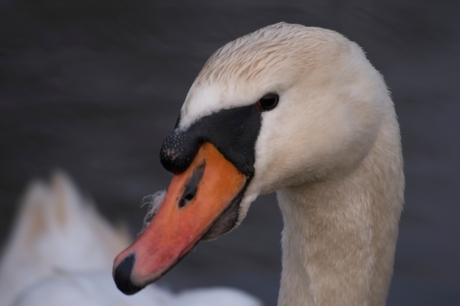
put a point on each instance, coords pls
(194, 201)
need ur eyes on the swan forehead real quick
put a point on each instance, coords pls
(268, 60)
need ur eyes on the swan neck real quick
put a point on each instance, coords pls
(339, 235)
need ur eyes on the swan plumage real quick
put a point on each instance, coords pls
(331, 150)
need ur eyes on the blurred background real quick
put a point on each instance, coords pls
(94, 87)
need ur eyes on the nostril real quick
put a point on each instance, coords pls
(192, 185)
(187, 198)
(122, 275)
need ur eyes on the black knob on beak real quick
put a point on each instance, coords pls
(178, 151)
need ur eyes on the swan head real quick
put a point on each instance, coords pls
(284, 106)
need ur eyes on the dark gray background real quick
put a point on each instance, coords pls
(93, 87)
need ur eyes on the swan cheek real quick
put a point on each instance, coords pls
(195, 200)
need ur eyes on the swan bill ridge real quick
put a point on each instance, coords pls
(201, 203)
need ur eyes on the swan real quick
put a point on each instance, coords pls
(60, 253)
(300, 111)
(56, 232)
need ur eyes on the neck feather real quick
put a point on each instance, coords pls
(340, 235)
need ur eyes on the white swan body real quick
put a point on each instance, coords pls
(61, 250)
(97, 289)
(330, 148)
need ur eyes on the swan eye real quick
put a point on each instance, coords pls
(268, 102)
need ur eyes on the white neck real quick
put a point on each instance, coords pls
(339, 236)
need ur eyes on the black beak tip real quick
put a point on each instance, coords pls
(122, 276)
